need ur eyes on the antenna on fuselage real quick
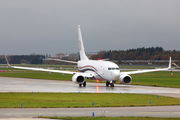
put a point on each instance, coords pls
(81, 45)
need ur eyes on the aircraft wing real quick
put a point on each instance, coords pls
(48, 70)
(54, 71)
(150, 70)
(145, 71)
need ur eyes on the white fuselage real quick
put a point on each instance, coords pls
(101, 70)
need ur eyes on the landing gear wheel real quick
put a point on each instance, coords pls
(84, 84)
(107, 83)
(112, 85)
(80, 85)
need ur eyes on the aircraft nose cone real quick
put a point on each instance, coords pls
(116, 75)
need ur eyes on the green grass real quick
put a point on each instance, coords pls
(79, 100)
(41, 65)
(162, 79)
(36, 75)
(110, 118)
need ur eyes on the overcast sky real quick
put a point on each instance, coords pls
(50, 26)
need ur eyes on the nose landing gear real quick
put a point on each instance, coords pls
(112, 84)
(109, 83)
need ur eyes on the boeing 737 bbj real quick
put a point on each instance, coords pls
(95, 69)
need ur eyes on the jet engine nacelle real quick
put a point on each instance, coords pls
(77, 78)
(125, 79)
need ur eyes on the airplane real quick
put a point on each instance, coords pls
(95, 69)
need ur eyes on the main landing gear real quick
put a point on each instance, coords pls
(84, 84)
(109, 83)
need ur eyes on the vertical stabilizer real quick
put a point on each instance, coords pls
(81, 46)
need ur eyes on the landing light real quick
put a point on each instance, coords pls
(97, 81)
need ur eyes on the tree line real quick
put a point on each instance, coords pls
(151, 53)
(23, 59)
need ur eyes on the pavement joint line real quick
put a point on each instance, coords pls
(41, 113)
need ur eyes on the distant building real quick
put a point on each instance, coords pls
(74, 56)
(90, 53)
(60, 55)
(145, 62)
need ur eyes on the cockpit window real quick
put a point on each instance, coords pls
(113, 68)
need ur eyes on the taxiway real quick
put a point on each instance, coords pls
(37, 85)
(151, 111)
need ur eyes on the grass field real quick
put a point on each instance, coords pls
(41, 65)
(111, 118)
(36, 75)
(79, 100)
(162, 79)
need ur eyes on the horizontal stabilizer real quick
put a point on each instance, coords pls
(61, 60)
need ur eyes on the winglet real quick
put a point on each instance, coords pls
(7, 61)
(169, 63)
